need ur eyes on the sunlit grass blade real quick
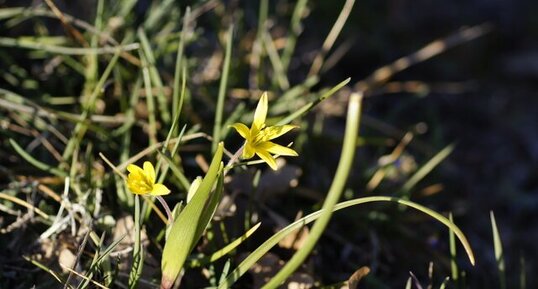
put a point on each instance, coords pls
(295, 30)
(154, 76)
(452, 244)
(43, 267)
(138, 250)
(335, 191)
(306, 108)
(499, 254)
(150, 101)
(426, 169)
(445, 282)
(54, 49)
(89, 106)
(176, 171)
(222, 89)
(247, 263)
(178, 95)
(196, 262)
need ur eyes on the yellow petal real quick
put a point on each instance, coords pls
(242, 130)
(149, 172)
(266, 157)
(273, 132)
(260, 114)
(134, 169)
(159, 190)
(248, 151)
(278, 149)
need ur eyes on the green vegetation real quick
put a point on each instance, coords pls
(86, 100)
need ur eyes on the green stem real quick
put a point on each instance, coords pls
(222, 90)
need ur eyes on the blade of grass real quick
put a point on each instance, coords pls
(331, 38)
(251, 259)
(38, 164)
(178, 95)
(154, 75)
(150, 101)
(138, 253)
(46, 269)
(222, 90)
(278, 69)
(295, 30)
(499, 254)
(82, 126)
(335, 191)
(306, 108)
(24, 204)
(452, 242)
(383, 74)
(426, 169)
(197, 262)
(29, 44)
(256, 55)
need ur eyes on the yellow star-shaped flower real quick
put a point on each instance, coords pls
(142, 181)
(257, 138)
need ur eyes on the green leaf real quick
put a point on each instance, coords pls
(222, 252)
(186, 231)
(499, 255)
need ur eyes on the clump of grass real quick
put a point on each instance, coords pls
(164, 86)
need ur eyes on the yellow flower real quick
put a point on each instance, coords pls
(257, 138)
(142, 181)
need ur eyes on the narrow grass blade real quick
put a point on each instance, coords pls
(335, 191)
(426, 169)
(295, 30)
(331, 38)
(248, 262)
(452, 241)
(306, 108)
(46, 269)
(38, 164)
(177, 97)
(499, 254)
(408, 283)
(150, 101)
(82, 126)
(445, 282)
(224, 251)
(222, 90)
(176, 171)
(154, 76)
(30, 44)
(138, 253)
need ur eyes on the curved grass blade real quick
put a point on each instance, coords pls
(273, 240)
(38, 164)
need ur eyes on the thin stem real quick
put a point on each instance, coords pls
(166, 208)
(233, 159)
